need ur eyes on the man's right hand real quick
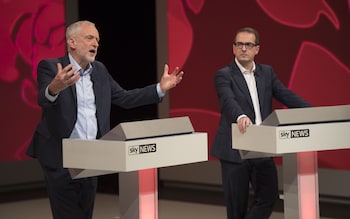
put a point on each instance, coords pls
(64, 78)
(243, 123)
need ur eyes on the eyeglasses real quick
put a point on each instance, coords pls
(247, 45)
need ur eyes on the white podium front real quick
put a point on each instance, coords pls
(297, 135)
(135, 150)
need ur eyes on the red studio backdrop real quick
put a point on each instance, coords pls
(29, 31)
(306, 42)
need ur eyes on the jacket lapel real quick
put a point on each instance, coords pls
(241, 83)
(65, 61)
(259, 79)
(97, 86)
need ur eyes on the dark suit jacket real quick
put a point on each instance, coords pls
(235, 100)
(59, 117)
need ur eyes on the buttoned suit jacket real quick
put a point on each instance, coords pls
(59, 117)
(234, 100)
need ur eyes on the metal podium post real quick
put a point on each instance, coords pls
(300, 185)
(138, 191)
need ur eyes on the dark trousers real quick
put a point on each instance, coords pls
(70, 198)
(261, 174)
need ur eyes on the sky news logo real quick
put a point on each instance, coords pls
(142, 149)
(299, 133)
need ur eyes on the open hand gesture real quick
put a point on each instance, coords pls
(64, 78)
(169, 81)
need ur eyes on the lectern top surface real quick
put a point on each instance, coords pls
(321, 114)
(150, 128)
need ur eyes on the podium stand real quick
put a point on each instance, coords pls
(135, 150)
(297, 135)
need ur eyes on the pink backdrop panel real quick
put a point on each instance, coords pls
(305, 42)
(29, 31)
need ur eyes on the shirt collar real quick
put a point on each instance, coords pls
(77, 66)
(242, 69)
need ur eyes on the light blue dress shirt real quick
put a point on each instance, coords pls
(86, 124)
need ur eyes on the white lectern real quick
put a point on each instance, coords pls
(297, 135)
(135, 150)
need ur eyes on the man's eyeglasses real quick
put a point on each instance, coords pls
(247, 45)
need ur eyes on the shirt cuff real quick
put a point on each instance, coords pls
(159, 91)
(48, 96)
(241, 116)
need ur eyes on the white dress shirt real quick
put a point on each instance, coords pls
(250, 79)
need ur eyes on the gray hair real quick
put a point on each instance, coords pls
(74, 28)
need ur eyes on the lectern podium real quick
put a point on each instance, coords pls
(297, 135)
(135, 150)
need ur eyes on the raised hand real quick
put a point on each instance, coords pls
(64, 78)
(169, 81)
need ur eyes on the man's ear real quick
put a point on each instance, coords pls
(71, 43)
(257, 49)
